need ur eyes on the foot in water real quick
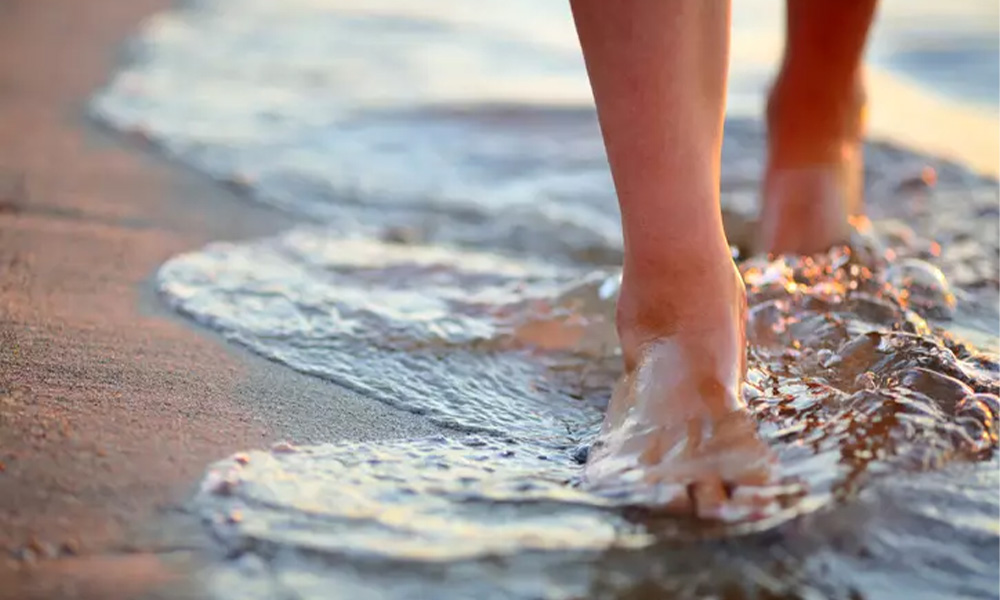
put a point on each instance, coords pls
(813, 182)
(815, 119)
(677, 434)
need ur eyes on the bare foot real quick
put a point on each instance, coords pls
(676, 433)
(814, 177)
(806, 209)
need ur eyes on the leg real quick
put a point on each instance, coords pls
(658, 69)
(815, 120)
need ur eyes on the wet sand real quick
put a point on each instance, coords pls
(110, 406)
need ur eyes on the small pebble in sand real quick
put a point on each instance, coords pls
(69, 547)
(41, 549)
(24, 555)
(242, 458)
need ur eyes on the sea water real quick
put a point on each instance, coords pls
(459, 261)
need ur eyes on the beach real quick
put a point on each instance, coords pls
(111, 405)
(124, 384)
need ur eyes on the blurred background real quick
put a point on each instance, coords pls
(473, 125)
(933, 72)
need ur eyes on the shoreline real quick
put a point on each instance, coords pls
(898, 113)
(111, 405)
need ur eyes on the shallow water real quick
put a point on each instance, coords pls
(863, 403)
(879, 445)
(461, 265)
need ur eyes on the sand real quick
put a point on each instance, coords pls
(110, 405)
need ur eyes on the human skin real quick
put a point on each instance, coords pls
(658, 73)
(815, 117)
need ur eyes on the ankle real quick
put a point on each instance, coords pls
(813, 120)
(814, 168)
(685, 298)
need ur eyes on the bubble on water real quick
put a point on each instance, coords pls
(923, 286)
